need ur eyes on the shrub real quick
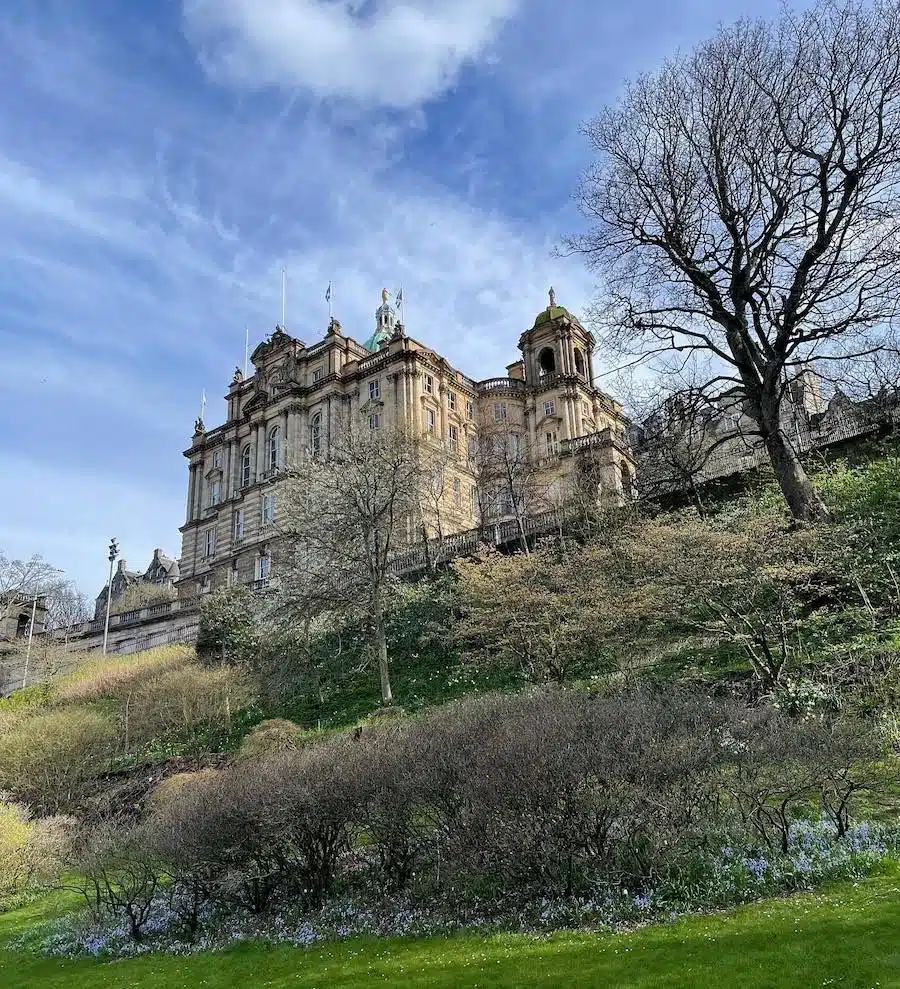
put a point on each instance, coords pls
(228, 631)
(47, 757)
(31, 851)
(182, 701)
(272, 736)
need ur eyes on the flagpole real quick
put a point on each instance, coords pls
(246, 349)
(283, 297)
(330, 304)
(202, 404)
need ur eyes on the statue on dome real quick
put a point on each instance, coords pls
(385, 295)
(552, 297)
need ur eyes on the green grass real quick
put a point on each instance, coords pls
(845, 937)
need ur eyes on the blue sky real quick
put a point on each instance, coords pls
(160, 163)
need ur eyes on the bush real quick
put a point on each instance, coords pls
(31, 851)
(180, 701)
(272, 736)
(228, 631)
(47, 757)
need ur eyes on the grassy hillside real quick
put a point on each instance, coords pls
(843, 937)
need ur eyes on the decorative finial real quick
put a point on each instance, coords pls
(552, 297)
(385, 295)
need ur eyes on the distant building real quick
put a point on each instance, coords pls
(162, 572)
(15, 616)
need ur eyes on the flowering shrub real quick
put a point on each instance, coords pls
(729, 877)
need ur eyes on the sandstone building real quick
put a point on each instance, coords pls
(545, 415)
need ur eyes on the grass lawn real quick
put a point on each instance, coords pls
(844, 937)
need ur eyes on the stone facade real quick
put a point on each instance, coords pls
(298, 396)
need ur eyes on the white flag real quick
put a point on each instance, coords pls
(328, 293)
(400, 296)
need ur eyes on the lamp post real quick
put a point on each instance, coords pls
(34, 602)
(113, 553)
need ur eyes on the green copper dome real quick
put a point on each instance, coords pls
(379, 337)
(552, 312)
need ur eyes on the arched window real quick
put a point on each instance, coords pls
(315, 434)
(627, 482)
(245, 466)
(547, 361)
(580, 366)
(274, 448)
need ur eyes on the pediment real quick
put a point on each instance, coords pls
(256, 401)
(372, 405)
(554, 420)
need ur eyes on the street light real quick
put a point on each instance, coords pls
(34, 602)
(113, 553)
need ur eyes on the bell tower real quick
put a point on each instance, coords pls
(557, 354)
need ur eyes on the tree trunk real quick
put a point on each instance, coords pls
(799, 492)
(387, 697)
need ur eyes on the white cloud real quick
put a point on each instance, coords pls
(400, 54)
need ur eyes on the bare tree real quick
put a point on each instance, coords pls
(507, 474)
(341, 518)
(744, 207)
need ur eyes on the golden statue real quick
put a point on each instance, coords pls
(385, 295)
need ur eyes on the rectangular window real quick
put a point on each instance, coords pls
(473, 499)
(317, 375)
(239, 524)
(262, 568)
(209, 542)
(552, 446)
(374, 389)
(549, 409)
(429, 420)
(429, 384)
(500, 412)
(586, 410)
(470, 409)
(217, 460)
(451, 401)
(457, 487)
(268, 508)
(216, 493)
(473, 449)
(374, 421)
(454, 438)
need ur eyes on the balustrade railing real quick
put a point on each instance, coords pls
(501, 385)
